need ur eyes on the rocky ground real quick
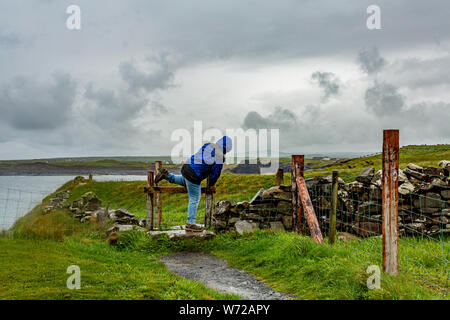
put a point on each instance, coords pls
(217, 275)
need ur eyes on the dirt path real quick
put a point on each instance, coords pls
(217, 275)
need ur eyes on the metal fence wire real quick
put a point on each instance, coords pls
(423, 227)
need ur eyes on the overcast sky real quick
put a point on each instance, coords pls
(138, 70)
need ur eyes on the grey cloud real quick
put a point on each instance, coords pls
(219, 34)
(160, 77)
(331, 128)
(158, 108)
(328, 82)
(8, 39)
(419, 73)
(383, 99)
(27, 104)
(431, 118)
(114, 104)
(280, 118)
(370, 60)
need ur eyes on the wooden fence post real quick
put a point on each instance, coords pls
(310, 214)
(297, 166)
(390, 201)
(279, 177)
(149, 219)
(334, 193)
(209, 204)
(158, 204)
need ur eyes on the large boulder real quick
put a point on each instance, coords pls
(366, 176)
(257, 197)
(445, 164)
(430, 200)
(410, 173)
(277, 192)
(406, 188)
(80, 179)
(414, 167)
(287, 221)
(277, 226)
(284, 207)
(245, 226)
(367, 229)
(355, 187)
(222, 207)
(401, 176)
(90, 202)
(262, 209)
(445, 194)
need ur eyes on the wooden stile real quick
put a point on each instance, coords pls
(158, 204)
(149, 219)
(209, 205)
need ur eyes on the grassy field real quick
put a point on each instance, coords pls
(290, 263)
(36, 255)
(36, 269)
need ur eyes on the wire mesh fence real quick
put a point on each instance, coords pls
(15, 203)
(423, 228)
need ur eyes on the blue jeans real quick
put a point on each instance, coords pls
(194, 193)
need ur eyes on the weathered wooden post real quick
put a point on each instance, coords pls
(158, 204)
(334, 198)
(90, 177)
(310, 214)
(390, 201)
(279, 177)
(149, 219)
(297, 165)
(209, 205)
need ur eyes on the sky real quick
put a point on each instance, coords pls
(139, 70)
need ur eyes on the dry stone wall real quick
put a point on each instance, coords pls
(424, 204)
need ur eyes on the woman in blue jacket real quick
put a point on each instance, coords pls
(208, 161)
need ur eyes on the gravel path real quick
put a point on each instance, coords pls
(217, 275)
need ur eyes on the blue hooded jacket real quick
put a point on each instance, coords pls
(208, 161)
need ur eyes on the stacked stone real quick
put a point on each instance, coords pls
(58, 201)
(424, 204)
(89, 208)
(268, 209)
(425, 199)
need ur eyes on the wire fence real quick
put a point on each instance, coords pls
(423, 228)
(15, 203)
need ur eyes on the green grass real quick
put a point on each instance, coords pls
(295, 264)
(33, 269)
(290, 263)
